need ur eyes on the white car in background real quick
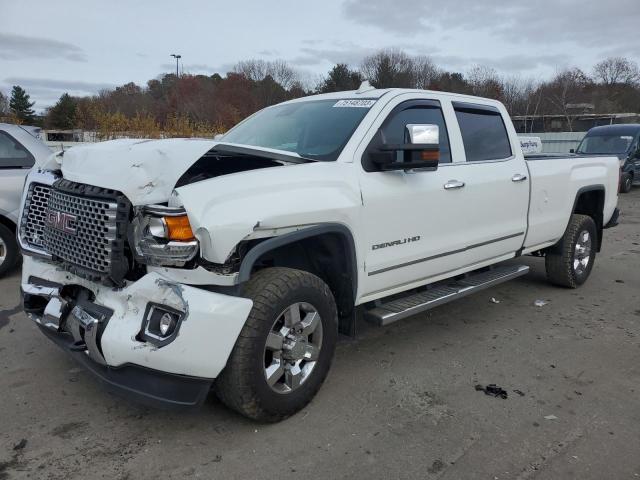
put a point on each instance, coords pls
(20, 148)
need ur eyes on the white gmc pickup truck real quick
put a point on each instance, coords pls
(170, 267)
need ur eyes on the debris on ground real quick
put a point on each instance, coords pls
(550, 417)
(21, 444)
(492, 390)
(540, 303)
(494, 300)
(436, 466)
(519, 392)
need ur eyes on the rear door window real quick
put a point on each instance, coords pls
(13, 154)
(484, 134)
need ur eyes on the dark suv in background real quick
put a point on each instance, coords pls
(621, 140)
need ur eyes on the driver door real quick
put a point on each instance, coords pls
(413, 221)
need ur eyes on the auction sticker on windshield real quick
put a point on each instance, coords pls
(355, 103)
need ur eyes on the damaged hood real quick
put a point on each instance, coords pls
(146, 171)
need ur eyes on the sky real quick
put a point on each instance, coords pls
(83, 46)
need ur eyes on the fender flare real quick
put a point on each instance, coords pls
(581, 190)
(8, 221)
(590, 188)
(272, 243)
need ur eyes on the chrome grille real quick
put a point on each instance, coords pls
(88, 242)
(32, 225)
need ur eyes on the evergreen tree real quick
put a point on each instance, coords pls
(340, 78)
(63, 114)
(20, 105)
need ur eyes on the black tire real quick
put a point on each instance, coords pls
(242, 385)
(11, 253)
(560, 260)
(626, 182)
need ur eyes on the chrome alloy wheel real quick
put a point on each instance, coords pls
(628, 183)
(3, 251)
(292, 347)
(582, 253)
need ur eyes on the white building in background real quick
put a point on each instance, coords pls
(555, 142)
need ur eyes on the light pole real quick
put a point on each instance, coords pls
(177, 57)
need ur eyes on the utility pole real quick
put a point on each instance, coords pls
(177, 57)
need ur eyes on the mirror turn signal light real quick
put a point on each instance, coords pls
(430, 155)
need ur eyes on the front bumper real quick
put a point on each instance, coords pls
(102, 326)
(143, 385)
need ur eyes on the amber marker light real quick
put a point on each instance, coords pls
(178, 228)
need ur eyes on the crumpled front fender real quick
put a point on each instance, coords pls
(227, 210)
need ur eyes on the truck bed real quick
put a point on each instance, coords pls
(556, 184)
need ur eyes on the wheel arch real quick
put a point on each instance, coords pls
(589, 200)
(7, 222)
(327, 250)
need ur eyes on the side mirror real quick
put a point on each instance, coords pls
(573, 150)
(422, 150)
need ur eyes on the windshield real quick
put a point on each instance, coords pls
(605, 144)
(315, 129)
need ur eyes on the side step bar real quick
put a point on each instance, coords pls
(399, 308)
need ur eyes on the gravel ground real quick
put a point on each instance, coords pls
(399, 402)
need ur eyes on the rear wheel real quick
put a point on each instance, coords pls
(626, 183)
(570, 261)
(8, 250)
(285, 348)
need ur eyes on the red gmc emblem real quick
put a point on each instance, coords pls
(64, 222)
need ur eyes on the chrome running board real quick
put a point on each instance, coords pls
(391, 311)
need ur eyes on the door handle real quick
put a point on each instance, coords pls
(453, 184)
(518, 177)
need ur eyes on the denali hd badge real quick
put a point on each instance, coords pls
(64, 222)
(395, 242)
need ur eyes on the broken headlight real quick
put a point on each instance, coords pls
(162, 236)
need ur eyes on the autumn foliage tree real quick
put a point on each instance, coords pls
(203, 105)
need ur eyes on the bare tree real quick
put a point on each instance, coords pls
(533, 95)
(565, 89)
(284, 74)
(254, 69)
(617, 71)
(425, 72)
(512, 94)
(278, 70)
(389, 68)
(485, 82)
(4, 105)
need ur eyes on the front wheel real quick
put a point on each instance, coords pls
(285, 348)
(626, 183)
(8, 250)
(569, 262)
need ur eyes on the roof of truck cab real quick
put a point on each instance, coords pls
(376, 93)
